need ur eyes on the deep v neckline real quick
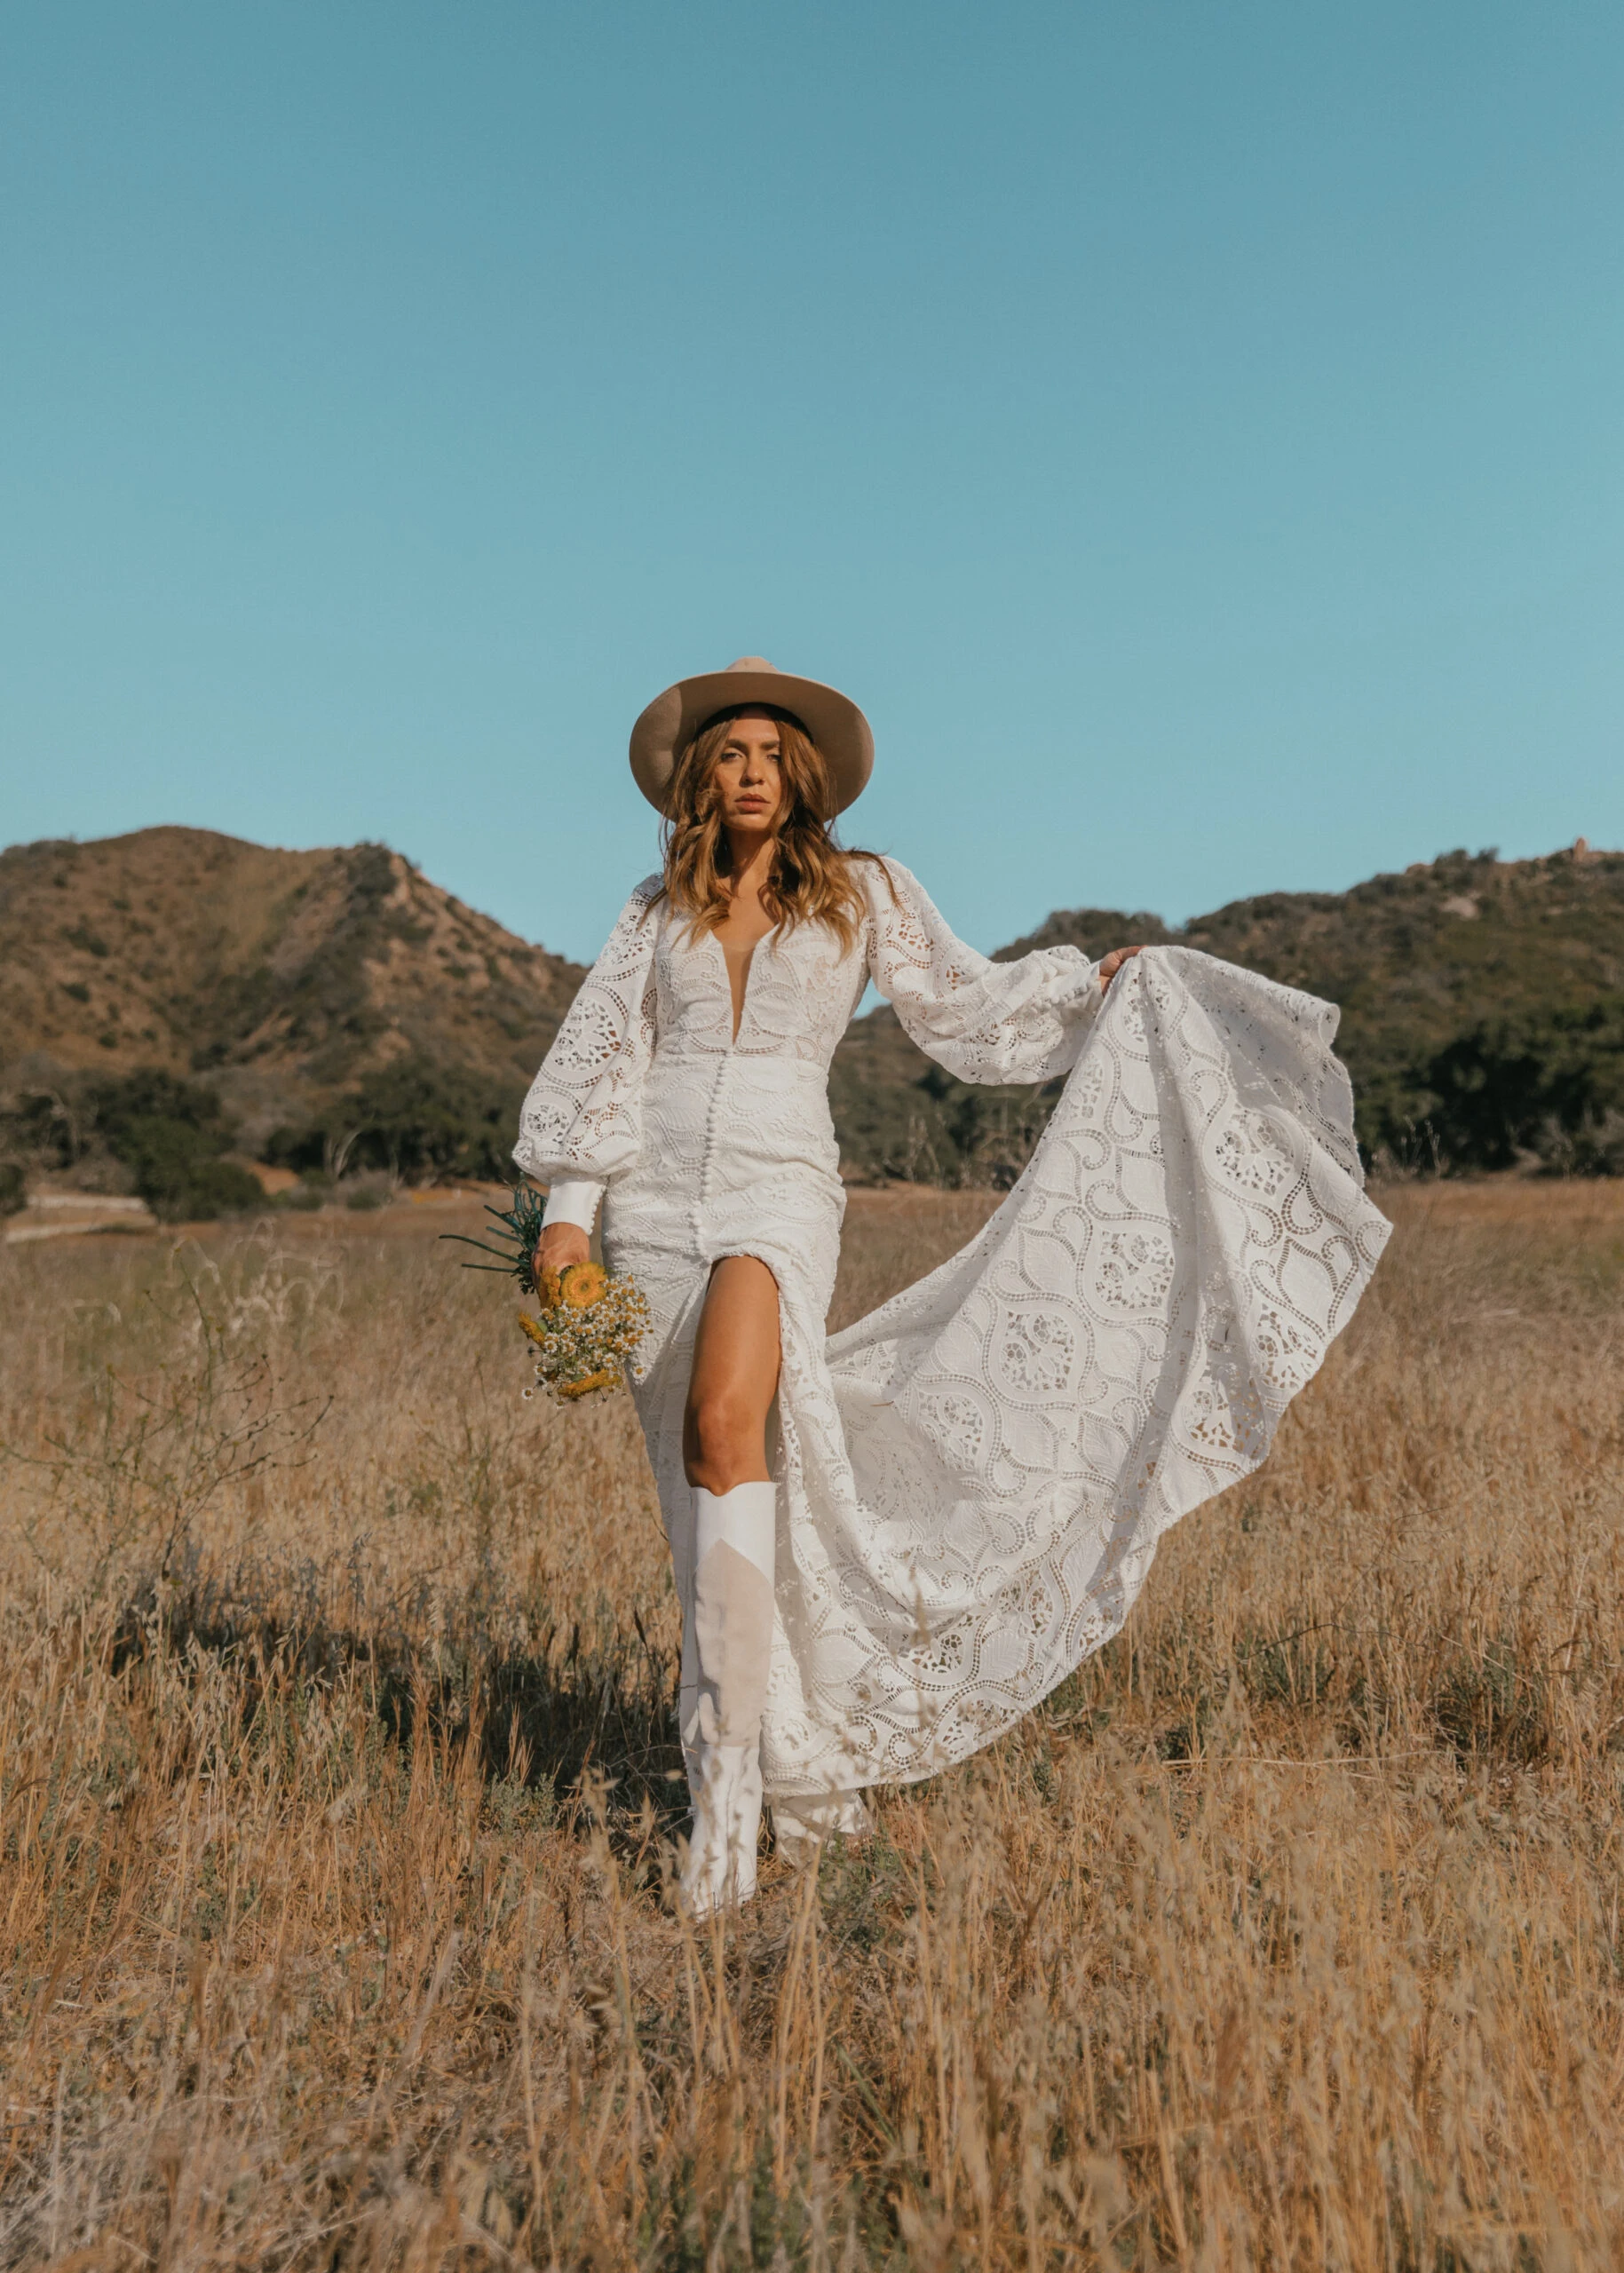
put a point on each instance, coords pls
(744, 991)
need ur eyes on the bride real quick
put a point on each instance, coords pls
(889, 1545)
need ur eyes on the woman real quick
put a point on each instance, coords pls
(889, 1546)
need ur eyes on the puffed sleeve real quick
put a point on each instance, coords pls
(582, 1121)
(984, 1021)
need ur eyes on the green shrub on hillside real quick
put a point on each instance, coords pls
(170, 1135)
(416, 1117)
(1548, 1087)
(43, 1126)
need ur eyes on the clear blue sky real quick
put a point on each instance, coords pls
(1196, 433)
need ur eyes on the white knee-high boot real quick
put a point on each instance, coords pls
(727, 1644)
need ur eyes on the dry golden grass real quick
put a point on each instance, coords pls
(337, 1775)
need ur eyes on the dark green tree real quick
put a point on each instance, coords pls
(170, 1135)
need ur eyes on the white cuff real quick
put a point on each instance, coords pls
(572, 1203)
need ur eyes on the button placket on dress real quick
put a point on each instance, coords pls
(721, 1085)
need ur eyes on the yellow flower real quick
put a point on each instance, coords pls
(536, 1333)
(582, 1285)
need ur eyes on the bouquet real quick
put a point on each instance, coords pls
(591, 1322)
(587, 1335)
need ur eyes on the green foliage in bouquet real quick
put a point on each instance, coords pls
(517, 1228)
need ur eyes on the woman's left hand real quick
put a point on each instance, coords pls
(1113, 962)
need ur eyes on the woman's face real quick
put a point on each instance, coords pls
(748, 777)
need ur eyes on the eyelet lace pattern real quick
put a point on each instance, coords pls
(973, 1479)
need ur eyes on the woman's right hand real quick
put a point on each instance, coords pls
(559, 1245)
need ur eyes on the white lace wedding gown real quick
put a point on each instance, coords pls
(972, 1479)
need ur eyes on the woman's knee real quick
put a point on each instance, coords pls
(726, 1440)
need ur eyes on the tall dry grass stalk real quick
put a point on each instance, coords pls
(338, 1775)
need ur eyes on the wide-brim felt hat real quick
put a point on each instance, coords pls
(673, 718)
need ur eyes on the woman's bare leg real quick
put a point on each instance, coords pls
(734, 1378)
(726, 1574)
(728, 1606)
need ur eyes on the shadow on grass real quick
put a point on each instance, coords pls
(540, 1716)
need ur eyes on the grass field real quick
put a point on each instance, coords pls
(337, 1779)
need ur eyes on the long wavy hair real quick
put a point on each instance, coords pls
(811, 879)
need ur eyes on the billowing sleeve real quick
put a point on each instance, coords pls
(582, 1124)
(984, 1021)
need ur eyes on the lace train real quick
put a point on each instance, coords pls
(1015, 1432)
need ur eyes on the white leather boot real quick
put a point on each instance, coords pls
(727, 1645)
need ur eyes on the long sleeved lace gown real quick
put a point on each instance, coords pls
(972, 1479)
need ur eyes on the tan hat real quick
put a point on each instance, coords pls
(673, 718)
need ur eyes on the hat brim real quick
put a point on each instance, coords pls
(673, 718)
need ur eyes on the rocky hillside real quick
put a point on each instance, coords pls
(1483, 1018)
(280, 981)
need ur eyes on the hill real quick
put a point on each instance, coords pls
(172, 992)
(1483, 1019)
(287, 987)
